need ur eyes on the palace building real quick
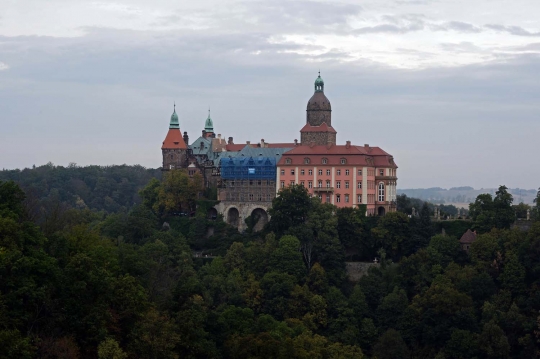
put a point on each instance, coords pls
(249, 176)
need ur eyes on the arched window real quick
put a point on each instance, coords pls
(288, 161)
(343, 161)
(306, 161)
(381, 192)
(324, 161)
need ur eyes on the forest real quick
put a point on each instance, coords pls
(122, 281)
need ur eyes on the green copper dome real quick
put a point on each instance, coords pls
(319, 84)
(174, 119)
(209, 124)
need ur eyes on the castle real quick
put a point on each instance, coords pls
(249, 176)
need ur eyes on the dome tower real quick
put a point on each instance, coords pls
(318, 129)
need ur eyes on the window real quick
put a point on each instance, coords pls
(310, 184)
(359, 172)
(292, 182)
(320, 172)
(338, 198)
(343, 161)
(381, 172)
(346, 198)
(302, 183)
(320, 184)
(324, 161)
(282, 172)
(338, 172)
(327, 184)
(232, 183)
(381, 192)
(268, 197)
(251, 196)
(251, 182)
(282, 184)
(306, 161)
(347, 172)
(338, 184)
(310, 172)
(346, 184)
(292, 172)
(359, 185)
(320, 197)
(359, 198)
(302, 172)
(259, 197)
(288, 161)
(328, 172)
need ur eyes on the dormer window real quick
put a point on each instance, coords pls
(343, 161)
(324, 161)
(306, 161)
(288, 161)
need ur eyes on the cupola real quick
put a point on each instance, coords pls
(174, 119)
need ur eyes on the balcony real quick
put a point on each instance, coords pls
(323, 189)
(383, 178)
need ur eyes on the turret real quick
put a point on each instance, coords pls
(174, 148)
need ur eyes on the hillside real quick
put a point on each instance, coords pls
(462, 196)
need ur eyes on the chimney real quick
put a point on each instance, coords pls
(348, 144)
(230, 142)
(219, 136)
(186, 138)
(248, 143)
(203, 133)
(262, 143)
(296, 142)
(366, 145)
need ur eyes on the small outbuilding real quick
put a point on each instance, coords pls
(467, 239)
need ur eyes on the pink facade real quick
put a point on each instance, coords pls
(345, 175)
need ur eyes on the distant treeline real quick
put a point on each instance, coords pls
(101, 188)
(464, 194)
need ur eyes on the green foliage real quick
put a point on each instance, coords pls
(107, 188)
(120, 285)
(109, 349)
(289, 209)
(392, 233)
(488, 212)
(390, 346)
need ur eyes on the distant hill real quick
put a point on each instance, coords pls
(108, 188)
(462, 196)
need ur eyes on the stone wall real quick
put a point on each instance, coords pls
(174, 158)
(245, 209)
(356, 270)
(318, 138)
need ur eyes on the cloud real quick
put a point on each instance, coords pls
(461, 27)
(513, 30)
(3, 66)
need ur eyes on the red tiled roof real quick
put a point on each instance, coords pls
(468, 237)
(235, 147)
(174, 140)
(355, 155)
(280, 145)
(322, 128)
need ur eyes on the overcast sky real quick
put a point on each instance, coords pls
(449, 87)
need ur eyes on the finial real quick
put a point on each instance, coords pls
(319, 72)
(174, 106)
(208, 111)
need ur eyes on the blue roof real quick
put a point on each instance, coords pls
(238, 168)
